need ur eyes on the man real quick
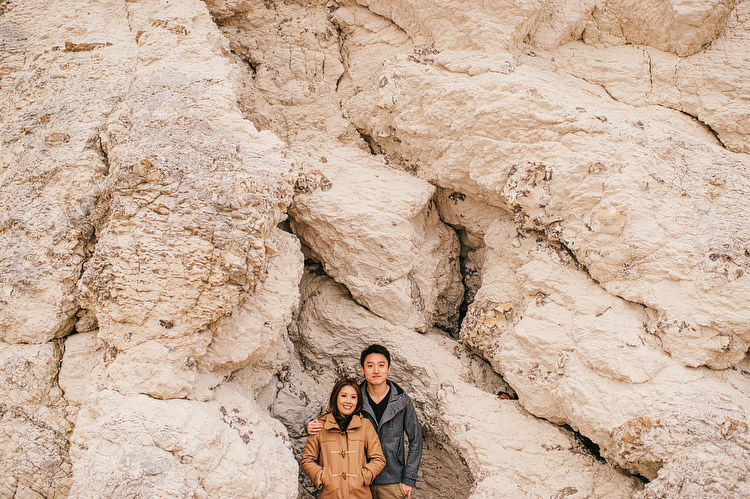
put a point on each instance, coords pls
(392, 414)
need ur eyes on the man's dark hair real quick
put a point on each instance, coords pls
(374, 349)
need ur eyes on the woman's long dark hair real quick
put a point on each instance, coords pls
(333, 406)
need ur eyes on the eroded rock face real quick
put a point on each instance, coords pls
(678, 26)
(498, 440)
(377, 232)
(180, 448)
(643, 197)
(34, 447)
(580, 164)
(192, 193)
(60, 80)
(580, 356)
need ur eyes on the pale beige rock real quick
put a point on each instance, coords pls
(377, 232)
(710, 85)
(34, 459)
(80, 369)
(251, 332)
(61, 73)
(456, 26)
(577, 355)
(486, 102)
(462, 211)
(679, 26)
(192, 193)
(494, 437)
(290, 59)
(179, 448)
(644, 197)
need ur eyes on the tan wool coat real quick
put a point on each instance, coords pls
(342, 465)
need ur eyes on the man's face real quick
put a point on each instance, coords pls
(376, 369)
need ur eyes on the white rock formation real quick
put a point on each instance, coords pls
(34, 447)
(580, 356)
(706, 85)
(180, 448)
(59, 79)
(499, 441)
(644, 197)
(193, 191)
(248, 335)
(582, 163)
(80, 369)
(376, 231)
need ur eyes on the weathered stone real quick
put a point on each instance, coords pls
(52, 106)
(34, 446)
(679, 26)
(577, 355)
(180, 448)
(644, 197)
(591, 156)
(80, 370)
(376, 231)
(251, 332)
(495, 437)
(710, 85)
(192, 193)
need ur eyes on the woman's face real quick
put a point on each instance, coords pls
(347, 400)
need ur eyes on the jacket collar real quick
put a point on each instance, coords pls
(396, 402)
(329, 422)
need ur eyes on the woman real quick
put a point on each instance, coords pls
(343, 459)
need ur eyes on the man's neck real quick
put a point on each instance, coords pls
(377, 393)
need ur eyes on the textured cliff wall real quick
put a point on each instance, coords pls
(207, 209)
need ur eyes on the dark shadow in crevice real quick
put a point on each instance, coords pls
(587, 446)
(374, 147)
(443, 471)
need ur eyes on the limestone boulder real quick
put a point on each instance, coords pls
(34, 446)
(677, 26)
(376, 230)
(193, 192)
(180, 448)
(710, 85)
(645, 198)
(61, 73)
(578, 355)
(249, 335)
(497, 439)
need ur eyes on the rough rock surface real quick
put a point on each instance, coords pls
(34, 447)
(180, 448)
(582, 166)
(566, 344)
(402, 260)
(192, 192)
(498, 440)
(645, 198)
(58, 82)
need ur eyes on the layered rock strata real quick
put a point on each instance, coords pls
(581, 165)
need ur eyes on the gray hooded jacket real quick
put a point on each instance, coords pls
(398, 418)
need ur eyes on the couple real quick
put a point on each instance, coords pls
(344, 453)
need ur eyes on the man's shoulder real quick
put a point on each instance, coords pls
(397, 391)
